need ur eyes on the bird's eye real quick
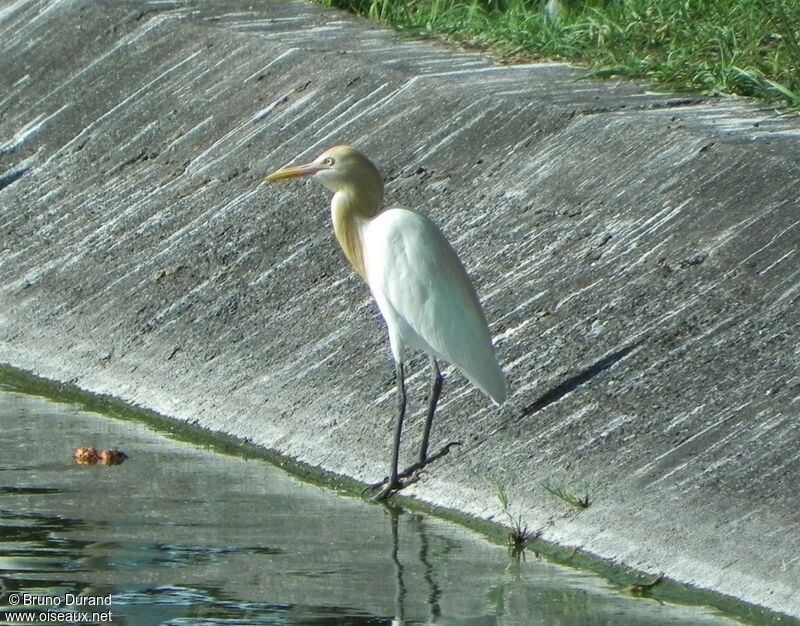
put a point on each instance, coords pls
(329, 161)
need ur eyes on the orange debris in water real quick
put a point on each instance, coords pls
(85, 456)
(90, 456)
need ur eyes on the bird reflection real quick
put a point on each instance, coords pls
(415, 573)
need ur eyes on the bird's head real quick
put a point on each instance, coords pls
(340, 169)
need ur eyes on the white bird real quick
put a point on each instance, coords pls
(417, 280)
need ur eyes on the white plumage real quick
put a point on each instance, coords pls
(422, 290)
(426, 298)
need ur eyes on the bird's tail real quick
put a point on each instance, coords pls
(488, 376)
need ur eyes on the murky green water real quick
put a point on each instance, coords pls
(180, 535)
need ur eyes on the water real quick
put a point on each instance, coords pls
(180, 535)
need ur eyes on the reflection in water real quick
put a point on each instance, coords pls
(32, 546)
(32, 543)
(178, 535)
(400, 593)
(435, 592)
(428, 572)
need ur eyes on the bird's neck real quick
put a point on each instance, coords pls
(350, 210)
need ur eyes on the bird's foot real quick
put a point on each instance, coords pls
(416, 467)
(411, 474)
(390, 490)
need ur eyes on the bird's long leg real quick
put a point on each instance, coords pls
(436, 390)
(412, 471)
(393, 482)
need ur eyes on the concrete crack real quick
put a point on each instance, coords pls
(12, 176)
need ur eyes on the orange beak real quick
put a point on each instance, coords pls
(298, 171)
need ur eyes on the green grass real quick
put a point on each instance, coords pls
(579, 498)
(518, 535)
(746, 47)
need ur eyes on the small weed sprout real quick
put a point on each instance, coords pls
(519, 535)
(578, 499)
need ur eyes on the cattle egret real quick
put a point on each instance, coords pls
(417, 280)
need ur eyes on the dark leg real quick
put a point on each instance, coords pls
(393, 483)
(412, 471)
(436, 390)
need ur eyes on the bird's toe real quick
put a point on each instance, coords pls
(390, 489)
(384, 493)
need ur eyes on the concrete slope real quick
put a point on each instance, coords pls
(637, 256)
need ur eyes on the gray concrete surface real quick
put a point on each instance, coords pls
(637, 255)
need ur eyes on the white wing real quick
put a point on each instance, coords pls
(426, 298)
